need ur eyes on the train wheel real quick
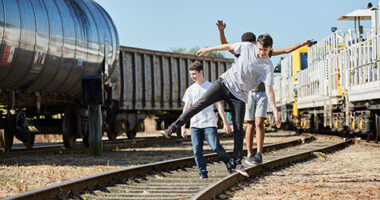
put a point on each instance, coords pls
(112, 135)
(6, 140)
(85, 139)
(85, 134)
(131, 134)
(377, 127)
(30, 142)
(369, 136)
(139, 126)
(316, 124)
(298, 131)
(22, 131)
(119, 126)
(345, 133)
(68, 130)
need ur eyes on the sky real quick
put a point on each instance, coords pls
(168, 24)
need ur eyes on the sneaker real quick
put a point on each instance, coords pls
(230, 168)
(240, 168)
(203, 176)
(166, 133)
(254, 160)
(249, 160)
(257, 159)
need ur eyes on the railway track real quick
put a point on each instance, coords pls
(178, 179)
(108, 145)
(272, 160)
(58, 148)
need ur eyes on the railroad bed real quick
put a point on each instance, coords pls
(178, 179)
(352, 173)
(50, 169)
(108, 145)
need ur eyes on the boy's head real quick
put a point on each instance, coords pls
(248, 37)
(196, 70)
(264, 45)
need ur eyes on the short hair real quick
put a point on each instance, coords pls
(196, 65)
(248, 37)
(265, 40)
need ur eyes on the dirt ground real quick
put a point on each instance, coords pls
(352, 173)
(26, 173)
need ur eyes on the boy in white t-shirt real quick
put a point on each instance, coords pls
(256, 108)
(204, 124)
(252, 67)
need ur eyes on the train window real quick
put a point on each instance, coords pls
(303, 61)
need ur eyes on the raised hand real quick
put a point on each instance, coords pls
(221, 26)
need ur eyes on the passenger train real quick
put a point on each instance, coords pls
(334, 84)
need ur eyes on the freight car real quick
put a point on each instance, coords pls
(148, 81)
(334, 84)
(46, 49)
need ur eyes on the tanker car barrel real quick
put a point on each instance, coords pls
(46, 46)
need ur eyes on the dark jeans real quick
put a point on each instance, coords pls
(217, 92)
(211, 136)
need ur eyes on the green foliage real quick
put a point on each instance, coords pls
(194, 50)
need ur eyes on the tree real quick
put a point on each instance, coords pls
(194, 50)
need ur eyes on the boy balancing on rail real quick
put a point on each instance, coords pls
(256, 108)
(203, 125)
(252, 67)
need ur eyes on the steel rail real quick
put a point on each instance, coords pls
(212, 190)
(77, 186)
(107, 145)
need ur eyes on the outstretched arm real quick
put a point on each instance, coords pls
(226, 126)
(221, 26)
(222, 47)
(290, 48)
(272, 102)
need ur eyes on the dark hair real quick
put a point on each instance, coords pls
(196, 65)
(248, 37)
(265, 40)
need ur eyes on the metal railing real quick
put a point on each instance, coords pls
(359, 63)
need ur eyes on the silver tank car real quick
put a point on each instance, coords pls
(48, 45)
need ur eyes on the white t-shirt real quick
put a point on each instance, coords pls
(248, 71)
(205, 118)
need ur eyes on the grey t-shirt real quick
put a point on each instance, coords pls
(248, 71)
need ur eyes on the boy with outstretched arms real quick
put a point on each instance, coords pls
(256, 108)
(252, 67)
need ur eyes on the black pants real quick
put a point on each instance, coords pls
(217, 92)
